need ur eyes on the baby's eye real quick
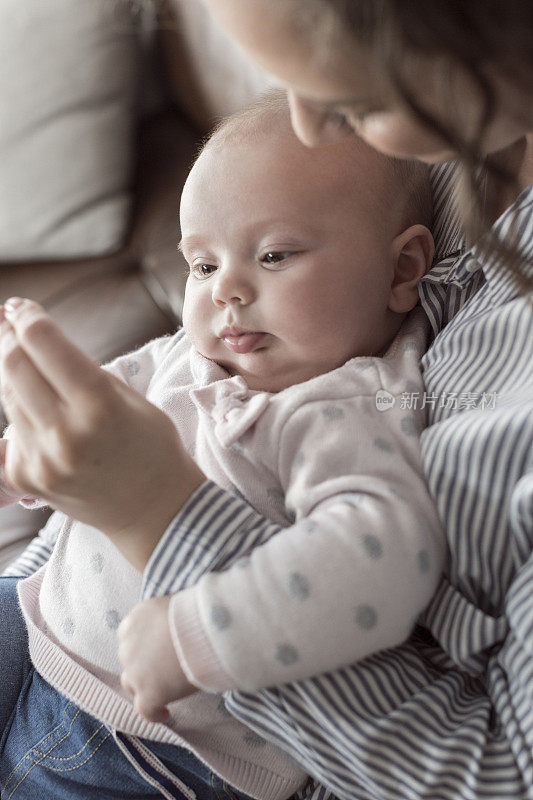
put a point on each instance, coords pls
(202, 271)
(272, 258)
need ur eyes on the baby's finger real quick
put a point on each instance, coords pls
(126, 684)
(151, 712)
(62, 364)
(23, 383)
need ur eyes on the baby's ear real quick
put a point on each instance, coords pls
(412, 251)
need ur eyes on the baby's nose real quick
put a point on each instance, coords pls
(231, 286)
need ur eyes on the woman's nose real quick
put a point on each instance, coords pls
(232, 286)
(314, 125)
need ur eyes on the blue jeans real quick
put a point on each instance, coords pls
(51, 749)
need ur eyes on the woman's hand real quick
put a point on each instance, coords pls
(84, 441)
(152, 673)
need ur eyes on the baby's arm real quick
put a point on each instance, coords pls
(348, 579)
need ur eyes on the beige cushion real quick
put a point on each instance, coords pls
(68, 85)
(211, 76)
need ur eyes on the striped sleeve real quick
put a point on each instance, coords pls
(39, 549)
(211, 532)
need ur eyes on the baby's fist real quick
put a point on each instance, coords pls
(152, 673)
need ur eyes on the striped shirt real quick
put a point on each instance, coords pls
(449, 713)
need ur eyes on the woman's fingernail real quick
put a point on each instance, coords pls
(14, 304)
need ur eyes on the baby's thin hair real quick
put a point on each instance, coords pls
(261, 116)
(270, 113)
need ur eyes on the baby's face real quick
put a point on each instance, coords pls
(290, 256)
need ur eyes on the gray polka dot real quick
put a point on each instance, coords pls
(253, 739)
(366, 617)
(243, 563)
(68, 627)
(372, 546)
(383, 445)
(275, 493)
(286, 654)
(97, 562)
(112, 619)
(220, 617)
(309, 526)
(67, 574)
(299, 586)
(192, 449)
(411, 344)
(411, 387)
(333, 412)
(423, 561)
(408, 426)
(133, 368)
(299, 460)
(397, 494)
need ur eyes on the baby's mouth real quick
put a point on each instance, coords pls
(239, 341)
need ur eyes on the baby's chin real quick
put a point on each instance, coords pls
(270, 381)
(263, 372)
(276, 381)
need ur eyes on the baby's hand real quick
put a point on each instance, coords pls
(152, 673)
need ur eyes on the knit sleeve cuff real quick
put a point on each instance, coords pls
(193, 647)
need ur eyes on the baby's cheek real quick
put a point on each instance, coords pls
(195, 316)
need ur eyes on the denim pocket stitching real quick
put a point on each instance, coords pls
(75, 755)
(82, 763)
(43, 756)
(214, 787)
(40, 743)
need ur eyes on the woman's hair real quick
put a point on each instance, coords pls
(469, 34)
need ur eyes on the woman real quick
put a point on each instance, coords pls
(451, 714)
(447, 714)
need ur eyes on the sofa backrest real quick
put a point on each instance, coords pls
(68, 111)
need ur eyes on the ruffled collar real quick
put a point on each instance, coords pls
(232, 406)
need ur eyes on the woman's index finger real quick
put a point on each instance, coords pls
(60, 362)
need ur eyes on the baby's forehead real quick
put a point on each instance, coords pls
(263, 151)
(273, 144)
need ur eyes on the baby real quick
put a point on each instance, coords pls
(286, 385)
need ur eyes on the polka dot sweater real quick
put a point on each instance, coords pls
(356, 555)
